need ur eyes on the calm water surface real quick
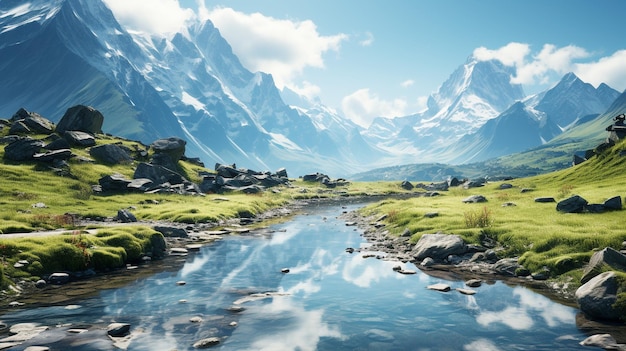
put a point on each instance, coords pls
(330, 300)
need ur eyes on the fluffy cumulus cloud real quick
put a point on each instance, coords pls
(610, 70)
(552, 62)
(363, 106)
(281, 47)
(154, 17)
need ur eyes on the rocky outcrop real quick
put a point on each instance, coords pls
(604, 260)
(577, 204)
(110, 154)
(81, 118)
(324, 180)
(438, 246)
(597, 297)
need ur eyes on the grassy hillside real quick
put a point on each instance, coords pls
(540, 236)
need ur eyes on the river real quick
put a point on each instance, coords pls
(236, 289)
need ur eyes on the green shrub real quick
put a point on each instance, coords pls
(128, 242)
(479, 218)
(103, 259)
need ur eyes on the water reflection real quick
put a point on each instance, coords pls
(329, 300)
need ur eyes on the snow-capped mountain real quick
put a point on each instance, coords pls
(60, 53)
(64, 52)
(475, 93)
(534, 121)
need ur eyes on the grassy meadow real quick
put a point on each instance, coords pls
(535, 232)
(34, 197)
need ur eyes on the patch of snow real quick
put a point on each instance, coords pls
(283, 141)
(190, 100)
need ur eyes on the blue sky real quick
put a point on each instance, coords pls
(383, 58)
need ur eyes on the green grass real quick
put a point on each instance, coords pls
(535, 232)
(77, 251)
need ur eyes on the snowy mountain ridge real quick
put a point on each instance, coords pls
(64, 52)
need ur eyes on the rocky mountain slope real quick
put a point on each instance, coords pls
(59, 53)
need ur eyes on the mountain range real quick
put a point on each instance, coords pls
(60, 53)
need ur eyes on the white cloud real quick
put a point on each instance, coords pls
(281, 47)
(512, 54)
(307, 89)
(407, 83)
(369, 39)
(610, 70)
(155, 17)
(550, 60)
(538, 69)
(362, 107)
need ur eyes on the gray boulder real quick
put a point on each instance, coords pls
(597, 296)
(507, 266)
(78, 138)
(173, 147)
(158, 174)
(32, 122)
(22, 149)
(438, 246)
(171, 232)
(475, 199)
(114, 182)
(118, 329)
(81, 118)
(110, 153)
(603, 260)
(574, 204)
(406, 185)
(53, 155)
(613, 204)
(543, 199)
(58, 144)
(126, 216)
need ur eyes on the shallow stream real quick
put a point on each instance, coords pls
(234, 289)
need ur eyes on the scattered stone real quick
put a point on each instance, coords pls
(22, 149)
(37, 348)
(236, 309)
(509, 204)
(81, 118)
(603, 260)
(349, 250)
(110, 153)
(178, 251)
(466, 291)
(284, 270)
(427, 262)
(504, 186)
(475, 199)
(181, 282)
(407, 271)
(40, 284)
(206, 343)
(172, 232)
(439, 287)
(604, 341)
(406, 185)
(431, 214)
(474, 283)
(544, 199)
(125, 216)
(597, 296)
(507, 266)
(574, 204)
(59, 278)
(613, 204)
(196, 319)
(526, 190)
(118, 329)
(438, 246)
(78, 138)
